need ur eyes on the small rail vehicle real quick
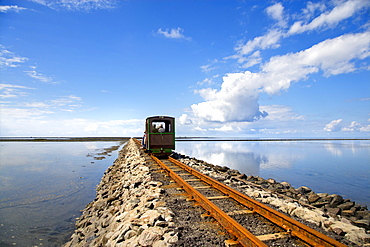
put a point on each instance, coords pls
(159, 136)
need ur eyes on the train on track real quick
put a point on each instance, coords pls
(159, 138)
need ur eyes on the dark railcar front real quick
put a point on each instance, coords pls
(160, 131)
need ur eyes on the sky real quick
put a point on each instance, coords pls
(228, 68)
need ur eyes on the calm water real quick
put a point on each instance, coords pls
(334, 167)
(43, 187)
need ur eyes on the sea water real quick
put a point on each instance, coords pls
(329, 166)
(45, 185)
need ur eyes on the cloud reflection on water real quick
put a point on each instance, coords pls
(246, 157)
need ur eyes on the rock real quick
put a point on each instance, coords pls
(149, 236)
(348, 213)
(241, 176)
(303, 190)
(129, 234)
(303, 199)
(271, 181)
(339, 231)
(150, 216)
(333, 211)
(170, 237)
(337, 199)
(251, 178)
(346, 205)
(363, 223)
(313, 198)
(286, 185)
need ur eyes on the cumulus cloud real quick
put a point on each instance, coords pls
(174, 33)
(8, 8)
(185, 120)
(354, 126)
(334, 125)
(237, 100)
(276, 12)
(78, 5)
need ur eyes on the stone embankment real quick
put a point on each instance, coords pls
(132, 209)
(127, 210)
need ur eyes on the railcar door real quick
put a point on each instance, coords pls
(161, 134)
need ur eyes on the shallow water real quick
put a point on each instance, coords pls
(45, 185)
(334, 167)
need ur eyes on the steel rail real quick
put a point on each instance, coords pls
(292, 226)
(244, 237)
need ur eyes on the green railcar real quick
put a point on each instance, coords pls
(160, 135)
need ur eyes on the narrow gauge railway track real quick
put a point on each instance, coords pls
(235, 211)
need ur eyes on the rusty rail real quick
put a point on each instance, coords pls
(245, 238)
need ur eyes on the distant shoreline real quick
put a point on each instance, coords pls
(92, 139)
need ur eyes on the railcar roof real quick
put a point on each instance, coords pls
(160, 117)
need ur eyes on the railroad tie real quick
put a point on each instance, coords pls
(273, 236)
(203, 187)
(217, 197)
(238, 212)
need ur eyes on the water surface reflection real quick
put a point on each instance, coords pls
(44, 185)
(340, 167)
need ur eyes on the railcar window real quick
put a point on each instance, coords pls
(161, 126)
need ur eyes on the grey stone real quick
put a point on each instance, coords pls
(303, 190)
(337, 199)
(346, 205)
(149, 236)
(333, 211)
(129, 234)
(363, 223)
(313, 198)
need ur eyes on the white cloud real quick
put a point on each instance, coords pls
(312, 8)
(281, 113)
(276, 12)
(227, 128)
(78, 5)
(174, 33)
(185, 120)
(41, 77)
(12, 91)
(253, 59)
(334, 125)
(354, 126)
(342, 11)
(8, 8)
(267, 41)
(237, 100)
(9, 59)
(271, 40)
(26, 123)
(207, 68)
(208, 81)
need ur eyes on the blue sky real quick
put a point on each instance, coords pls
(222, 68)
